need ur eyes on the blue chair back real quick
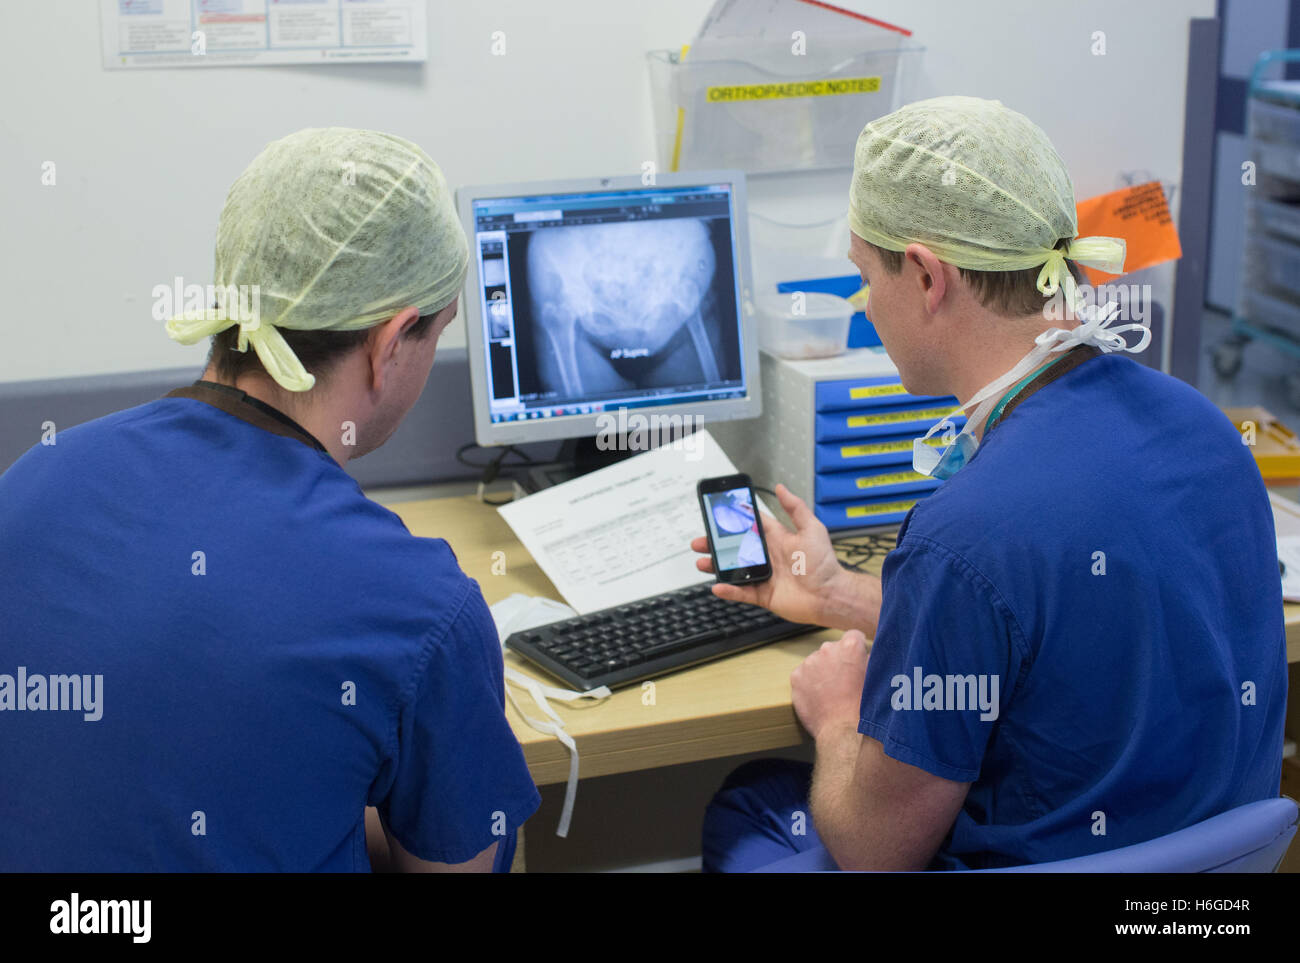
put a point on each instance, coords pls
(1249, 839)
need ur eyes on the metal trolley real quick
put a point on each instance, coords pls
(1268, 300)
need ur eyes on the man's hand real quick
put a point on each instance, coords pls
(871, 811)
(826, 688)
(808, 584)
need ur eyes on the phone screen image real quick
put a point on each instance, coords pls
(734, 529)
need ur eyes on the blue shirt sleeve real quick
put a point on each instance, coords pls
(461, 783)
(946, 658)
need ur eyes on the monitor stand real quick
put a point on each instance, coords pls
(577, 456)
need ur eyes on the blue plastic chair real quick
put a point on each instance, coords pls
(1249, 839)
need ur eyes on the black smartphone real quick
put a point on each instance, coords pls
(735, 529)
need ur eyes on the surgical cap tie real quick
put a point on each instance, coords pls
(273, 351)
(515, 613)
(1103, 253)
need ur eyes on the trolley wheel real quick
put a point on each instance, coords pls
(1227, 357)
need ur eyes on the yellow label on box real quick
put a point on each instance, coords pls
(876, 391)
(923, 414)
(799, 88)
(884, 508)
(886, 447)
(892, 478)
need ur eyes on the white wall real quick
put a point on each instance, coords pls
(144, 157)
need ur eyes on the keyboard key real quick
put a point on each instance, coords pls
(684, 642)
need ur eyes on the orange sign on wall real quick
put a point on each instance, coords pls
(1139, 215)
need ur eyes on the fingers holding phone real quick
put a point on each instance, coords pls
(800, 565)
(734, 530)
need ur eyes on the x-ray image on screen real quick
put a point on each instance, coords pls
(624, 306)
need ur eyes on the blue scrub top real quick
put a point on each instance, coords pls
(315, 658)
(1108, 556)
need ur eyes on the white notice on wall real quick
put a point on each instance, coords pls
(622, 533)
(231, 33)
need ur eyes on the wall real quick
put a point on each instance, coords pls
(144, 157)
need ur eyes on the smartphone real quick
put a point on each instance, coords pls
(735, 529)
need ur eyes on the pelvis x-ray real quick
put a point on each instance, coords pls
(627, 305)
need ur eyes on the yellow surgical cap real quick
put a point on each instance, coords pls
(978, 184)
(336, 229)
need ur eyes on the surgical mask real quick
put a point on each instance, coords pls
(927, 461)
(516, 613)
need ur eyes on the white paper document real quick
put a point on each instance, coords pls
(1286, 521)
(1288, 553)
(622, 533)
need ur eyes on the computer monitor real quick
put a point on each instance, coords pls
(589, 296)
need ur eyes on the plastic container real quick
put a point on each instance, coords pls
(804, 324)
(1278, 219)
(1275, 122)
(1270, 311)
(771, 111)
(862, 333)
(1281, 163)
(1275, 266)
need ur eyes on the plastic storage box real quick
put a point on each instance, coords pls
(1274, 265)
(1277, 219)
(862, 333)
(804, 325)
(838, 433)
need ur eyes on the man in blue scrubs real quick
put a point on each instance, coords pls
(216, 652)
(1078, 640)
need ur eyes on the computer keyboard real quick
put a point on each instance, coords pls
(627, 643)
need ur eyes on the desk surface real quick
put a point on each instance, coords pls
(732, 706)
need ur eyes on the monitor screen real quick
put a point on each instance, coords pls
(597, 300)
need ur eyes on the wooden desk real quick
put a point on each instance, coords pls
(724, 708)
(732, 706)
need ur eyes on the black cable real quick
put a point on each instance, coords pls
(855, 551)
(491, 469)
(505, 449)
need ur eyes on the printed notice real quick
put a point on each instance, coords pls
(1138, 214)
(233, 33)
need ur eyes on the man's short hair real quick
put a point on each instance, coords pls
(1013, 293)
(319, 351)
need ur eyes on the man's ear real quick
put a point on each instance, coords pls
(931, 276)
(384, 343)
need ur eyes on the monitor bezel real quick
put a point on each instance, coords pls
(486, 433)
